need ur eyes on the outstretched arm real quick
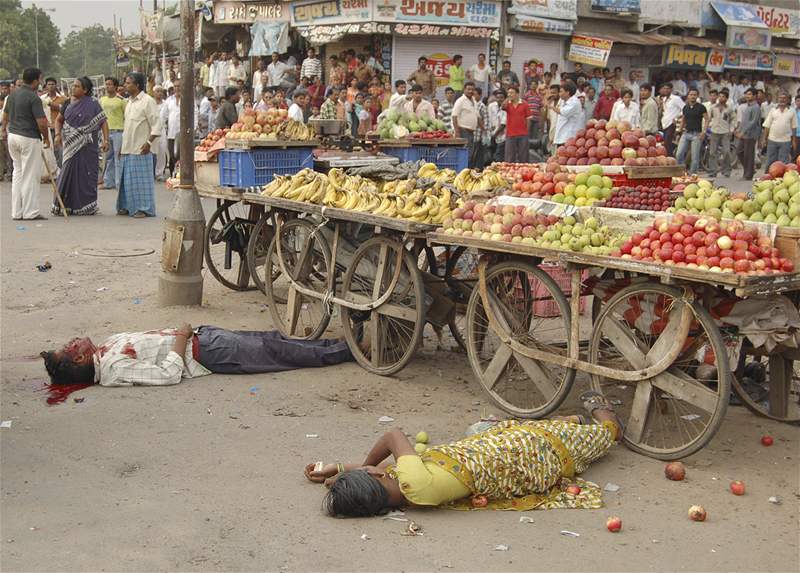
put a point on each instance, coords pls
(393, 442)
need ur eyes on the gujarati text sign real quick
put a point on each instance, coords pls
(590, 51)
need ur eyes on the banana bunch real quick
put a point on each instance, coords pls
(296, 131)
(430, 171)
(306, 185)
(472, 181)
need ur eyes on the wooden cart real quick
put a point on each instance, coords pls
(652, 348)
(365, 264)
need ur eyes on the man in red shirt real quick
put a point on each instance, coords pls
(605, 103)
(518, 117)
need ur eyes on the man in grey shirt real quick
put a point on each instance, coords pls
(227, 115)
(748, 133)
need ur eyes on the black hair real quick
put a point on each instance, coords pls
(416, 88)
(422, 59)
(30, 75)
(457, 57)
(626, 91)
(399, 83)
(356, 494)
(690, 90)
(63, 370)
(646, 86)
(138, 79)
(87, 85)
(570, 87)
(667, 84)
(515, 88)
(500, 92)
(724, 92)
(50, 79)
(114, 81)
(468, 84)
(506, 62)
(230, 92)
(361, 86)
(751, 90)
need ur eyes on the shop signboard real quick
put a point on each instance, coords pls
(482, 13)
(453, 31)
(786, 65)
(590, 51)
(228, 12)
(684, 57)
(740, 38)
(617, 6)
(319, 35)
(781, 22)
(558, 9)
(543, 25)
(716, 60)
(738, 14)
(324, 12)
(737, 60)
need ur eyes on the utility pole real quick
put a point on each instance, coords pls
(181, 280)
(36, 33)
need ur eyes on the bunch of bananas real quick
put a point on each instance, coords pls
(430, 171)
(295, 131)
(472, 181)
(306, 185)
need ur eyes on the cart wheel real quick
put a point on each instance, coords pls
(383, 340)
(459, 286)
(770, 386)
(307, 258)
(521, 386)
(608, 274)
(676, 412)
(257, 248)
(227, 234)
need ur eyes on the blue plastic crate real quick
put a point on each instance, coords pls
(404, 154)
(247, 168)
(445, 157)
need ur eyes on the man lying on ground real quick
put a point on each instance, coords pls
(164, 357)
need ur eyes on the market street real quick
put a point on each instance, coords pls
(207, 474)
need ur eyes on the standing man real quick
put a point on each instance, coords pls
(418, 106)
(534, 101)
(589, 102)
(694, 119)
(398, 100)
(221, 74)
(648, 110)
(6, 165)
(626, 109)
(570, 114)
(159, 146)
(277, 71)
(507, 78)
(671, 108)
(679, 86)
(260, 79)
(227, 115)
(446, 108)
(311, 67)
(205, 73)
(633, 85)
(236, 72)
(480, 73)
(748, 133)
(328, 109)
(518, 120)
(52, 102)
(466, 119)
(605, 103)
(457, 75)
(721, 118)
(114, 107)
(497, 126)
(298, 103)
(424, 77)
(780, 129)
(25, 128)
(171, 119)
(142, 127)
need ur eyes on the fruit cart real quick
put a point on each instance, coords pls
(652, 348)
(363, 263)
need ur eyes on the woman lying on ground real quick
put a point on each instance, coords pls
(515, 464)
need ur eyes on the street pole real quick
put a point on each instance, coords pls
(181, 280)
(36, 33)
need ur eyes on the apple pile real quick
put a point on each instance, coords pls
(211, 139)
(641, 197)
(587, 237)
(509, 223)
(703, 243)
(612, 143)
(588, 188)
(258, 125)
(527, 180)
(702, 198)
(775, 200)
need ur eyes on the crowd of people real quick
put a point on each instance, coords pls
(503, 116)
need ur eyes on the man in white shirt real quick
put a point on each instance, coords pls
(171, 119)
(671, 108)
(221, 75)
(276, 71)
(312, 67)
(679, 86)
(296, 109)
(159, 146)
(570, 114)
(260, 79)
(398, 100)
(626, 109)
(466, 119)
(633, 84)
(780, 129)
(497, 125)
(236, 72)
(166, 356)
(481, 73)
(418, 106)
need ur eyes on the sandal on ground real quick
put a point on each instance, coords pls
(122, 212)
(139, 215)
(592, 401)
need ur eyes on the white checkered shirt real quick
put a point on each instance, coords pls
(144, 359)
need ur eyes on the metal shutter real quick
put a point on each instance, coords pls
(408, 49)
(531, 46)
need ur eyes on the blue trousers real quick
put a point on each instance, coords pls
(689, 140)
(113, 160)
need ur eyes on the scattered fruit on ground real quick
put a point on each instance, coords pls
(697, 513)
(422, 438)
(737, 487)
(641, 197)
(573, 489)
(675, 471)
(614, 524)
(479, 501)
(420, 448)
(766, 440)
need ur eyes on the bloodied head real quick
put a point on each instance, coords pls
(72, 364)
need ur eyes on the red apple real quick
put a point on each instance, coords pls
(614, 524)
(675, 471)
(766, 440)
(737, 487)
(697, 513)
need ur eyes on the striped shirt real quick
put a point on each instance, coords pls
(144, 359)
(535, 103)
(311, 68)
(446, 114)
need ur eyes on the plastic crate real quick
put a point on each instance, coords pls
(544, 306)
(404, 154)
(248, 168)
(456, 158)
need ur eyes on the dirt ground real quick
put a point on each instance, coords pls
(207, 475)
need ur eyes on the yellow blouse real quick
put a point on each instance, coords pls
(426, 483)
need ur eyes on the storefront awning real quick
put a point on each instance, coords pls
(540, 25)
(738, 14)
(652, 39)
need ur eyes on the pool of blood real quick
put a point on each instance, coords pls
(58, 393)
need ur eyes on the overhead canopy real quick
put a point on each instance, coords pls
(651, 39)
(737, 14)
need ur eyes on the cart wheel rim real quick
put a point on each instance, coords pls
(228, 265)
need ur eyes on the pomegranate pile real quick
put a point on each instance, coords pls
(612, 143)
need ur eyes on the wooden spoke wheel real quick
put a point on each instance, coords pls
(676, 412)
(520, 385)
(257, 249)
(383, 339)
(227, 235)
(770, 385)
(306, 258)
(459, 285)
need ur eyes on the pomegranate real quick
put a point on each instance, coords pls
(697, 513)
(573, 489)
(614, 524)
(675, 471)
(737, 487)
(766, 441)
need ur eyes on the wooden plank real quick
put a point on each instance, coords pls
(539, 374)
(687, 389)
(387, 308)
(497, 366)
(452, 142)
(375, 319)
(639, 410)
(780, 380)
(219, 192)
(267, 143)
